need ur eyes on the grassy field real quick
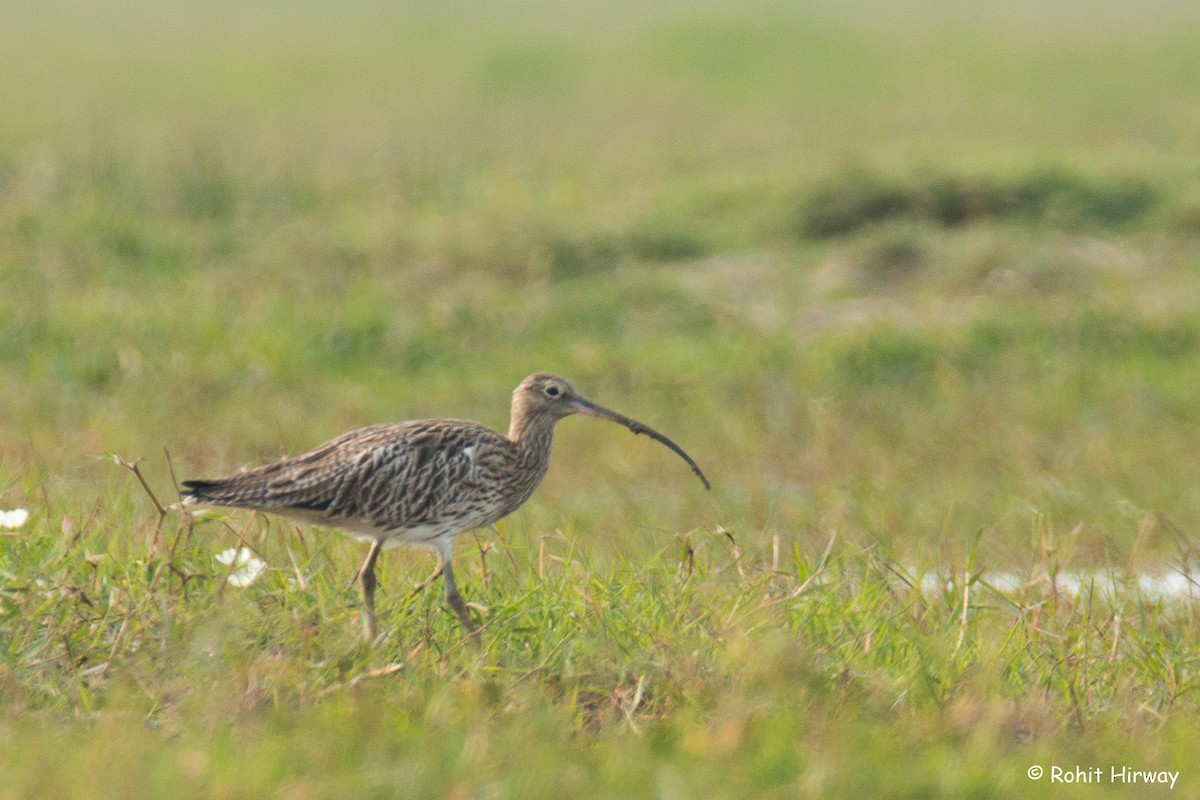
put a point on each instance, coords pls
(919, 287)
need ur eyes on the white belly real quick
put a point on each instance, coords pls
(428, 534)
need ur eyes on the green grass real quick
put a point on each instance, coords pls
(919, 283)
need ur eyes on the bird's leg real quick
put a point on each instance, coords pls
(446, 548)
(420, 587)
(367, 575)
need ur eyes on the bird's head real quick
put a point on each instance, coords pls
(543, 396)
(546, 395)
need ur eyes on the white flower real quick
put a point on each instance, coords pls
(247, 565)
(13, 519)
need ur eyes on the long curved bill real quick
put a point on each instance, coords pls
(592, 410)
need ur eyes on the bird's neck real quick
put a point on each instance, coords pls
(531, 438)
(532, 433)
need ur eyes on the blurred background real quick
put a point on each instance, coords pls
(903, 271)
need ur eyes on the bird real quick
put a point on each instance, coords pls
(421, 482)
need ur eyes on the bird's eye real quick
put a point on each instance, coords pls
(553, 391)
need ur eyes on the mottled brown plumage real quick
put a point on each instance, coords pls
(418, 482)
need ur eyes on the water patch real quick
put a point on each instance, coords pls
(13, 519)
(1177, 585)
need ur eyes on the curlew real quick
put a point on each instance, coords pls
(420, 482)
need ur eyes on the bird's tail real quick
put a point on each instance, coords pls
(249, 489)
(208, 493)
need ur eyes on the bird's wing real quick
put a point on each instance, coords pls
(384, 476)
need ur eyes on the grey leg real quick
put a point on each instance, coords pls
(446, 548)
(367, 576)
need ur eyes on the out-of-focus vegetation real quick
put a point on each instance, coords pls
(921, 280)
